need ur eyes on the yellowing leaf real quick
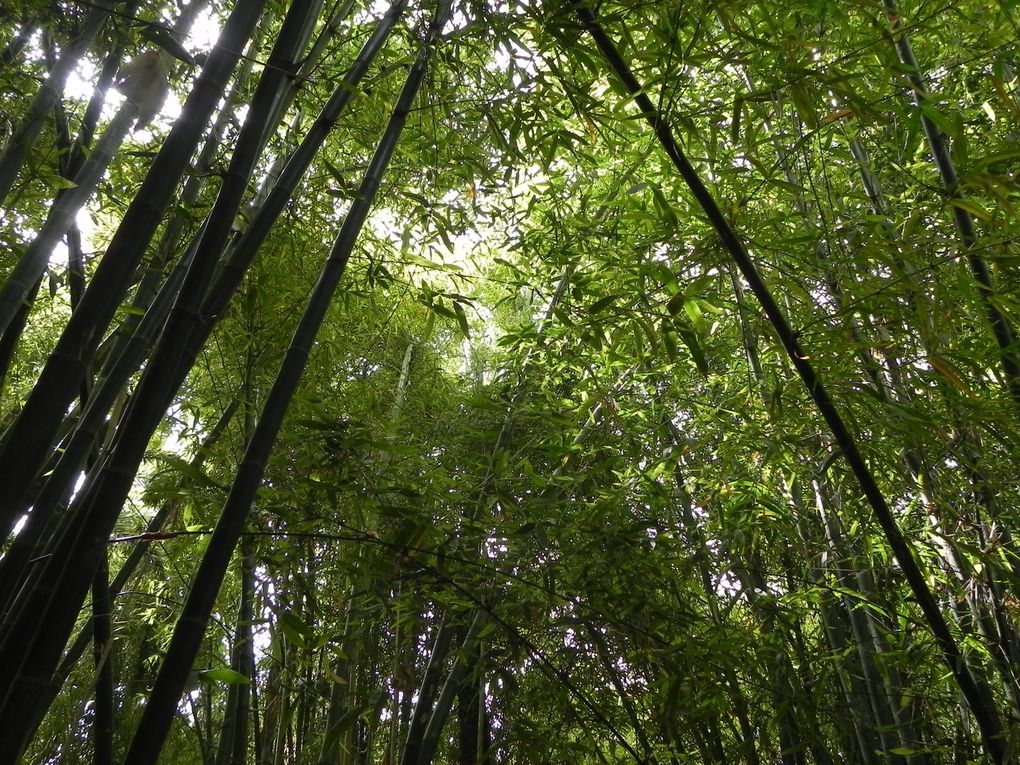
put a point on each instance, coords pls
(835, 116)
(951, 373)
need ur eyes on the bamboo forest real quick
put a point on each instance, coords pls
(509, 382)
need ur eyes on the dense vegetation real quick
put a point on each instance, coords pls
(509, 382)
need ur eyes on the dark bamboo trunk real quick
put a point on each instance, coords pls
(427, 692)
(159, 711)
(102, 647)
(27, 442)
(472, 721)
(29, 654)
(233, 740)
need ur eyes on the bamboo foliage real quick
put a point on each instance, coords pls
(445, 383)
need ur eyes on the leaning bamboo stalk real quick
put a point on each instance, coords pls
(894, 729)
(974, 689)
(247, 247)
(283, 60)
(241, 254)
(148, 401)
(31, 650)
(998, 635)
(123, 351)
(157, 385)
(162, 705)
(9, 341)
(46, 98)
(48, 504)
(141, 545)
(1003, 331)
(61, 217)
(214, 233)
(113, 498)
(71, 164)
(107, 75)
(311, 60)
(31, 435)
(173, 232)
(455, 678)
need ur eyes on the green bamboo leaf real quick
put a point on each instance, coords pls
(224, 675)
(937, 117)
(669, 338)
(949, 371)
(442, 310)
(676, 303)
(295, 629)
(462, 320)
(664, 208)
(972, 207)
(602, 303)
(693, 310)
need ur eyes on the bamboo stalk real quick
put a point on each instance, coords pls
(1002, 330)
(46, 98)
(974, 689)
(31, 647)
(162, 704)
(61, 217)
(28, 440)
